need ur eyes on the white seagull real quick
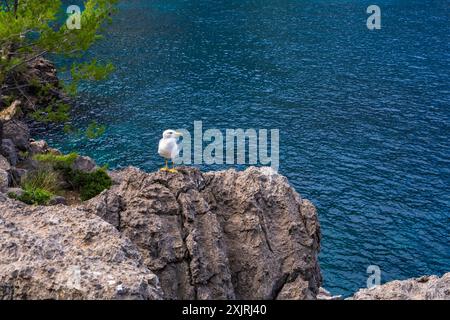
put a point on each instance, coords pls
(168, 148)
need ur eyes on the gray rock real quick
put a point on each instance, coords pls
(29, 164)
(57, 200)
(326, 295)
(11, 112)
(66, 253)
(423, 288)
(38, 147)
(54, 151)
(4, 180)
(84, 164)
(108, 206)
(17, 174)
(9, 151)
(4, 163)
(18, 132)
(218, 235)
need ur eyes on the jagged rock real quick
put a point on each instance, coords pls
(4, 180)
(65, 253)
(38, 147)
(84, 164)
(11, 112)
(18, 132)
(44, 70)
(17, 174)
(298, 288)
(8, 150)
(218, 235)
(4, 163)
(108, 206)
(326, 295)
(29, 164)
(423, 288)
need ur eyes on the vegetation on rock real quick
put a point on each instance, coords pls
(89, 184)
(56, 160)
(39, 186)
(55, 175)
(33, 29)
(33, 196)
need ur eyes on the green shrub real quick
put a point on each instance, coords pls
(12, 195)
(35, 196)
(24, 154)
(44, 178)
(39, 186)
(57, 161)
(95, 131)
(54, 112)
(89, 184)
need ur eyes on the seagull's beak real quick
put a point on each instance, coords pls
(178, 134)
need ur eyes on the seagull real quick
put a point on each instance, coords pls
(168, 148)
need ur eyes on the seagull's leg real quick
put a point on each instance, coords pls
(166, 167)
(173, 170)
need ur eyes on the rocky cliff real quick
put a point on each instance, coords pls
(191, 235)
(423, 288)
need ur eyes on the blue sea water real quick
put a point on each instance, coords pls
(364, 116)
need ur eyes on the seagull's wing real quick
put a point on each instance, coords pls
(175, 150)
(165, 148)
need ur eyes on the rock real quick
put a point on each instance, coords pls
(218, 235)
(17, 192)
(44, 70)
(57, 200)
(298, 288)
(423, 288)
(326, 295)
(38, 147)
(18, 132)
(9, 151)
(115, 176)
(4, 163)
(17, 174)
(4, 180)
(108, 206)
(66, 253)
(84, 164)
(11, 112)
(55, 151)
(29, 164)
